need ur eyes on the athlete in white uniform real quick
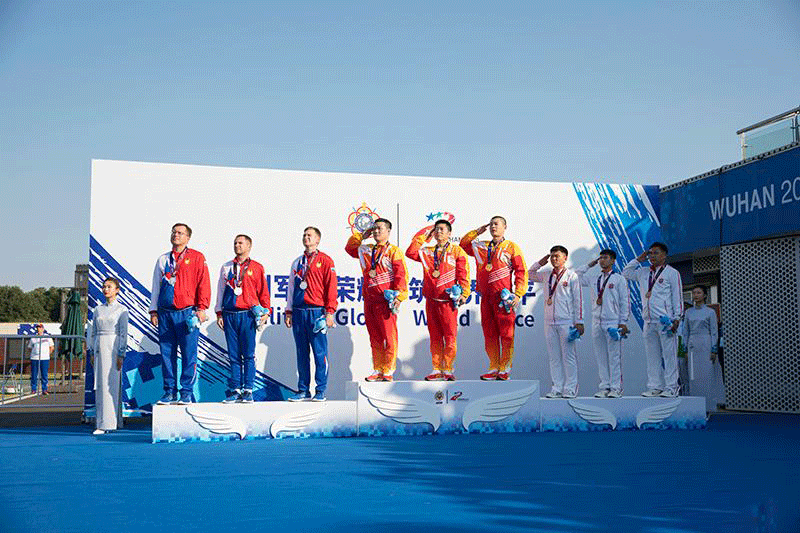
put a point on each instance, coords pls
(563, 309)
(610, 309)
(662, 296)
(700, 332)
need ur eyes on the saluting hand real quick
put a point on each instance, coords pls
(642, 256)
(482, 229)
(543, 261)
(593, 262)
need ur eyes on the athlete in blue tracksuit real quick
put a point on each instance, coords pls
(311, 295)
(181, 289)
(242, 285)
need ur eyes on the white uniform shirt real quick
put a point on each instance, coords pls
(40, 348)
(567, 308)
(667, 293)
(615, 307)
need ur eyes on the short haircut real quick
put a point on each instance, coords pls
(501, 218)
(389, 224)
(609, 252)
(115, 281)
(702, 288)
(559, 248)
(314, 229)
(661, 246)
(245, 237)
(188, 229)
(445, 222)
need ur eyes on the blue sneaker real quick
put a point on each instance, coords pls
(246, 396)
(299, 397)
(186, 398)
(233, 396)
(319, 397)
(168, 398)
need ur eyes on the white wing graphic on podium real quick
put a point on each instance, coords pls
(406, 410)
(594, 414)
(294, 422)
(496, 407)
(217, 422)
(656, 413)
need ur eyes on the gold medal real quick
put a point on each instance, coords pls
(600, 301)
(549, 301)
(647, 295)
(373, 273)
(435, 273)
(488, 268)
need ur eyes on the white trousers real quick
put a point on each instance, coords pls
(661, 351)
(609, 357)
(563, 359)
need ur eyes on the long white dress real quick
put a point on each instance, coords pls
(109, 340)
(700, 325)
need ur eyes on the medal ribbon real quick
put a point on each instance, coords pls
(305, 265)
(552, 286)
(237, 278)
(490, 249)
(652, 280)
(174, 264)
(600, 291)
(374, 261)
(438, 258)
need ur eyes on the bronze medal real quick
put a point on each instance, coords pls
(435, 273)
(647, 295)
(600, 300)
(373, 273)
(488, 268)
(549, 301)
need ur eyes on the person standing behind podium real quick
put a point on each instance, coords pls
(41, 349)
(242, 284)
(610, 310)
(312, 294)
(181, 288)
(563, 310)
(108, 343)
(662, 296)
(700, 333)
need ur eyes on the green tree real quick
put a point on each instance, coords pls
(38, 305)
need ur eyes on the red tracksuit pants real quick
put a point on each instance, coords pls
(382, 328)
(498, 332)
(442, 328)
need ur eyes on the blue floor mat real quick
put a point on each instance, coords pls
(738, 475)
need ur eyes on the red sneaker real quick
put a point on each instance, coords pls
(386, 377)
(377, 376)
(490, 376)
(449, 377)
(502, 376)
(435, 376)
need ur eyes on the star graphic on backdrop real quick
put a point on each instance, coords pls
(430, 217)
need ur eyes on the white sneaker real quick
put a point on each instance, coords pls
(602, 393)
(569, 394)
(99, 432)
(652, 392)
(669, 393)
(614, 393)
(553, 394)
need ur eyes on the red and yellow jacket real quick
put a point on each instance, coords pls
(453, 267)
(506, 258)
(390, 268)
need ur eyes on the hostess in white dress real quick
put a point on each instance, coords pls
(705, 374)
(109, 340)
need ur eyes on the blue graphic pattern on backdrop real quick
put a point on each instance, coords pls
(623, 218)
(141, 377)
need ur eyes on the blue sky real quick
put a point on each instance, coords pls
(649, 92)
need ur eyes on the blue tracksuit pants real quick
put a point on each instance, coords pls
(240, 334)
(173, 333)
(303, 319)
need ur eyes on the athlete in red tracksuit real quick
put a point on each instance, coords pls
(384, 268)
(495, 261)
(443, 266)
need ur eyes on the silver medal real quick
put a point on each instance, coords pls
(237, 291)
(304, 285)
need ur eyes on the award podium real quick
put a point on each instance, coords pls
(424, 408)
